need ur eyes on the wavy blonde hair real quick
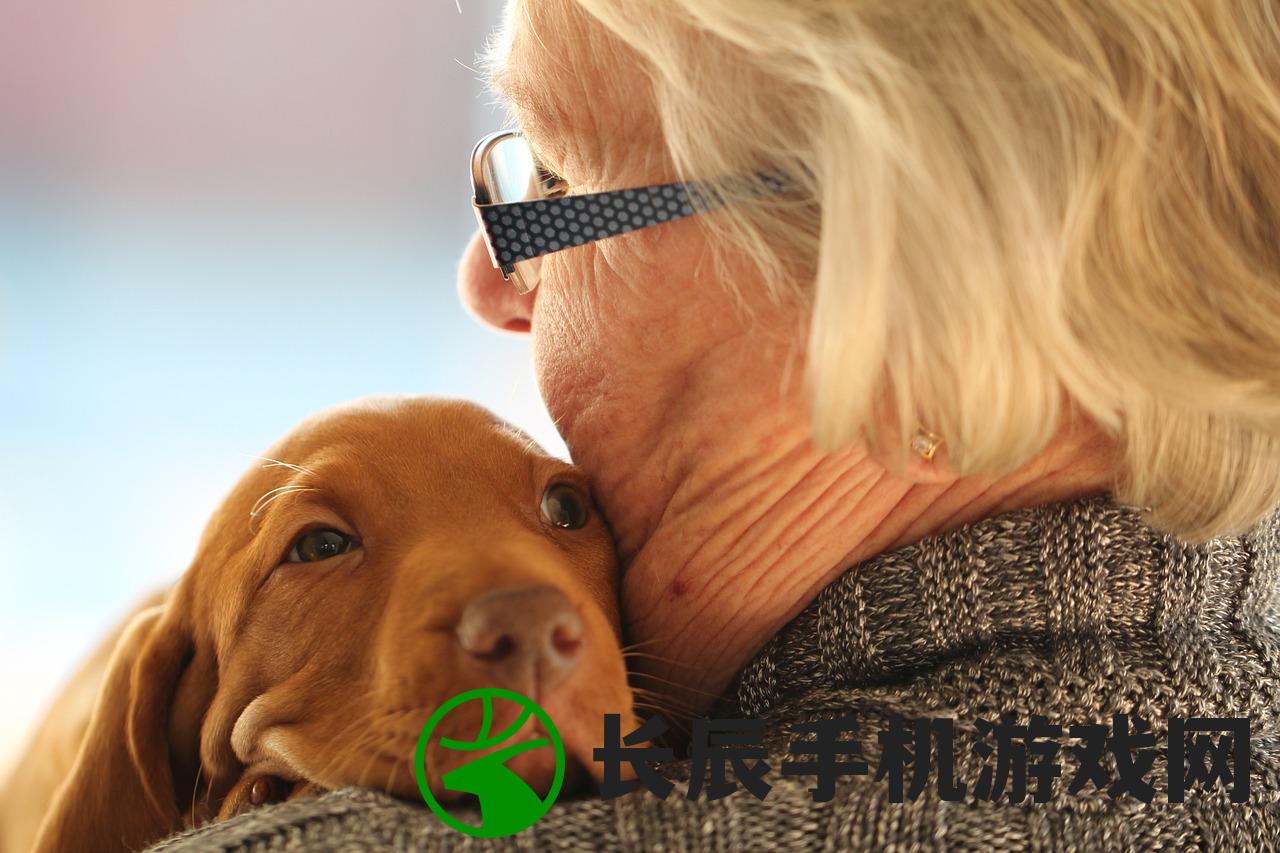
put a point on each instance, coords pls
(1008, 205)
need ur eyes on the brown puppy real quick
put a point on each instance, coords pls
(394, 553)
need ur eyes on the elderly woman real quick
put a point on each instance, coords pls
(929, 372)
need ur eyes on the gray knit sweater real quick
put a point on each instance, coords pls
(1074, 611)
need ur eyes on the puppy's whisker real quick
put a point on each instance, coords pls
(659, 658)
(275, 494)
(195, 789)
(652, 641)
(651, 700)
(677, 716)
(666, 703)
(277, 463)
(642, 643)
(655, 694)
(359, 726)
(367, 733)
(667, 708)
(676, 684)
(372, 746)
(391, 778)
(671, 718)
(270, 497)
(374, 738)
(391, 775)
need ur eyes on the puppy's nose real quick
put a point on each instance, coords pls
(530, 637)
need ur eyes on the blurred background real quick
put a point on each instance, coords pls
(215, 218)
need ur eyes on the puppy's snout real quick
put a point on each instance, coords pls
(529, 637)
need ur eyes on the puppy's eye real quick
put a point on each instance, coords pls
(320, 544)
(564, 506)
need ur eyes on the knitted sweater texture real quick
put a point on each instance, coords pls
(1075, 611)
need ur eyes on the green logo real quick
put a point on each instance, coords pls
(507, 803)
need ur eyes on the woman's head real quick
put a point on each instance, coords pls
(1006, 212)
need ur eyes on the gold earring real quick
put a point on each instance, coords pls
(925, 444)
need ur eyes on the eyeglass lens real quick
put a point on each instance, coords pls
(512, 175)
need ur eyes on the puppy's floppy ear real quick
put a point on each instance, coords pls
(121, 793)
(173, 685)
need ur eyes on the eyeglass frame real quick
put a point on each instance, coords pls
(513, 231)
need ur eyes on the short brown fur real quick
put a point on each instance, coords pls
(323, 674)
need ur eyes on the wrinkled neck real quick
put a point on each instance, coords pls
(755, 522)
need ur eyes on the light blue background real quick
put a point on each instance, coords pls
(156, 333)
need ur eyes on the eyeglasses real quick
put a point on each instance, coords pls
(525, 214)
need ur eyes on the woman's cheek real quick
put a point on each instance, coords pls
(599, 338)
(569, 353)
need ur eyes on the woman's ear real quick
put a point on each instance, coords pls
(121, 793)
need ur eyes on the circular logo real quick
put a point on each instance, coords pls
(507, 803)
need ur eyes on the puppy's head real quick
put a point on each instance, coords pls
(390, 555)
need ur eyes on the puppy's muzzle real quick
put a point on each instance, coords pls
(528, 638)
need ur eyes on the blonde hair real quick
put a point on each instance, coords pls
(1008, 204)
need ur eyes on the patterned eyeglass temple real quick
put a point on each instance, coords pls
(524, 230)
